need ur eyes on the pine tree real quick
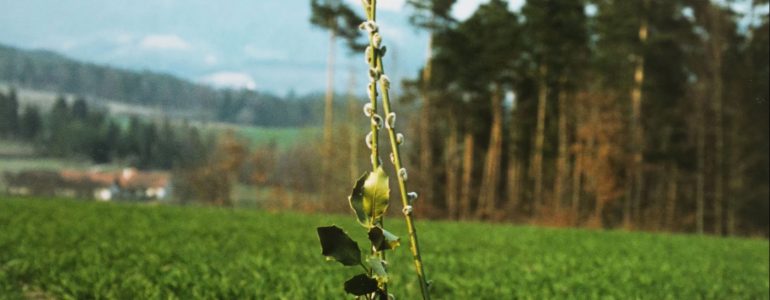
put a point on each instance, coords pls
(433, 16)
(557, 42)
(80, 109)
(31, 123)
(9, 114)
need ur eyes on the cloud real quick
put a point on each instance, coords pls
(211, 60)
(234, 80)
(164, 42)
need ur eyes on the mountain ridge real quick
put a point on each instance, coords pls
(46, 70)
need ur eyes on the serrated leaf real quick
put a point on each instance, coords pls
(382, 239)
(356, 200)
(336, 244)
(361, 285)
(378, 268)
(376, 194)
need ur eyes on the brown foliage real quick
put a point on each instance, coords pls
(599, 138)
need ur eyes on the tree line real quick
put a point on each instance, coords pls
(205, 164)
(48, 71)
(73, 129)
(606, 113)
(640, 114)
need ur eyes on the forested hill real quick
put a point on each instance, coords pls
(49, 71)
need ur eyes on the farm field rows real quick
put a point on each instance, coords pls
(81, 250)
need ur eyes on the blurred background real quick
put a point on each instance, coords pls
(639, 114)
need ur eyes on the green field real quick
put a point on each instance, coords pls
(84, 250)
(281, 137)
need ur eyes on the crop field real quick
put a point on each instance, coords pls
(282, 137)
(82, 250)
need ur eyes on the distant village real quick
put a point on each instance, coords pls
(122, 185)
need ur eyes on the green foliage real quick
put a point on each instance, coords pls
(337, 245)
(431, 14)
(361, 285)
(80, 132)
(338, 17)
(382, 239)
(31, 123)
(9, 114)
(369, 200)
(557, 34)
(357, 201)
(84, 250)
(370, 196)
(282, 138)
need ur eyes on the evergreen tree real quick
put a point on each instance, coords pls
(80, 109)
(4, 109)
(433, 16)
(31, 123)
(9, 114)
(58, 125)
(556, 52)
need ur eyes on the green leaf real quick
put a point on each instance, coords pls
(336, 244)
(376, 194)
(361, 285)
(370, 196)
(382, 239)
(356, 200)
(378, 268)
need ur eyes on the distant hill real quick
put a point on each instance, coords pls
(49, 71)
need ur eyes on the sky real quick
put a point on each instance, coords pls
(265, 45)
(262, 45)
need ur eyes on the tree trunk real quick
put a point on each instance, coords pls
(737, 167)
(426, 158)
(671, 196)
(328, 115)
(563, 155)
(718, 158)
(637, 135)
(577, 168)
(577, 184)
(700, 167)
(513, 174)
(452, 172)
(717, 84)
(491, 177)
(736, 187)
(465, 201)
(591, 161)
(537, 160)
(716, 99)
(514, 182)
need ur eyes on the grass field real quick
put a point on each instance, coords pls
(84, 250)
(282, 138)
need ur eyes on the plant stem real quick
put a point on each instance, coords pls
(375, 159)
(412, 230)
(376, 64)
(371, 15)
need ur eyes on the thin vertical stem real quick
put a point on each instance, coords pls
(375, 120)
(410, 226)
(377, 73)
